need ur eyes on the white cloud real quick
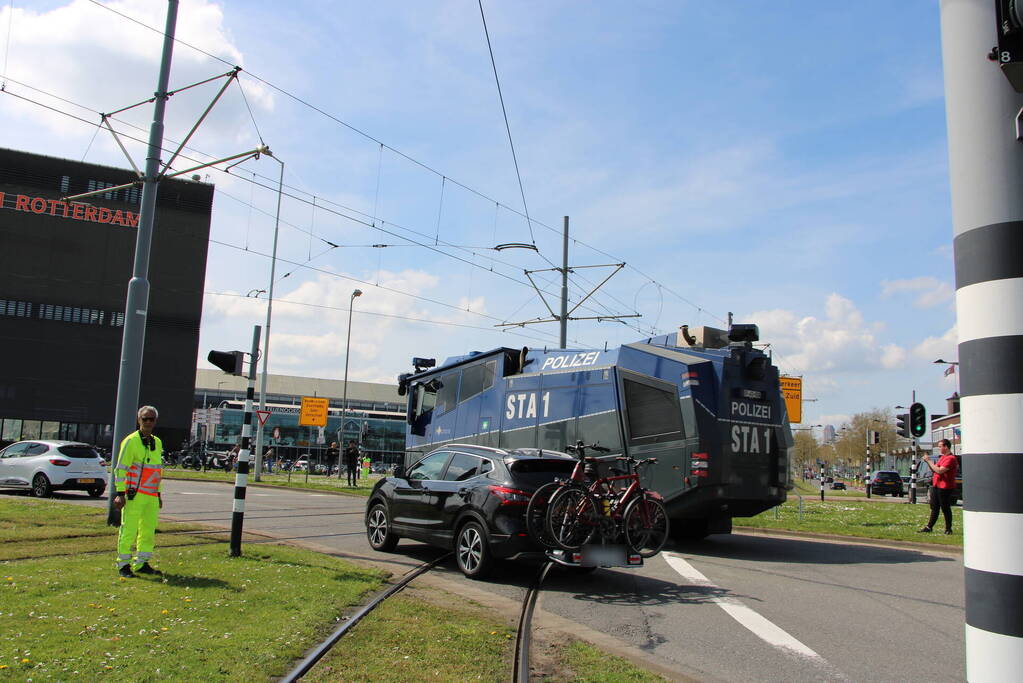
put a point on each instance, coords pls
(932, 291)
(841, 342)
(944, 347)
(91, 57)
(310, 323)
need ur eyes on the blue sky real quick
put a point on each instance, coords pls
(785, 161)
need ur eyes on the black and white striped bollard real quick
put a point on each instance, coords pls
(241, 477)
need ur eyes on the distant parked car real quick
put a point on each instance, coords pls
(838, 486)
(46, 466)
(884, 482)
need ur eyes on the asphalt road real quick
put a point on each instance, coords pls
(731, 608)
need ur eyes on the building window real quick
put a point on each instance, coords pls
(30, 429)
(50, 430)
(12, 430)
(68, 314)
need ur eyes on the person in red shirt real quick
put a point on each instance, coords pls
(943, 485)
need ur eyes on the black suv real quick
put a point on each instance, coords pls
(883, 483)
(468, 498)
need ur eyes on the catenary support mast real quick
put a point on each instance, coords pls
(137, 304)
(986, 169)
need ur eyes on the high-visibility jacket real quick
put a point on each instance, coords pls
(138, 466)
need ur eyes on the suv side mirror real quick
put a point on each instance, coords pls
(399, 472)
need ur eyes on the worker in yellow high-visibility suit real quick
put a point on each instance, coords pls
(137, 480)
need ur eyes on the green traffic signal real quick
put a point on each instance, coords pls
(917, 420)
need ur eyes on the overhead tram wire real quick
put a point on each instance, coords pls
(375, 222)
(427, 246)
(358, 281)
(507, 127)
(295, 263)
(394, 316)
(300, 199)
(401, 154)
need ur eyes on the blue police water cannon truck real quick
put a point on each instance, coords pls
(706, 403)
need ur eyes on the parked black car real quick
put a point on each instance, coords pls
(468, 498)
(838, 486)
(883, 483)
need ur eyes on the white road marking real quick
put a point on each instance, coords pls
(761, 627)
(194, 493)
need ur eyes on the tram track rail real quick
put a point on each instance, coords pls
(310, 660)
(523, 640)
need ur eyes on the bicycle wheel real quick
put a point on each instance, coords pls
(572, 517)
(646, 525)
(536, 513)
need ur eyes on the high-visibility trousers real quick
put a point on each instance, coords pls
(138, 528)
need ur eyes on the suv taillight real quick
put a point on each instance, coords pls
(509, 496)
(60, 462)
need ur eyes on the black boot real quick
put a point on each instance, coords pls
(146, 569)
(126, 572)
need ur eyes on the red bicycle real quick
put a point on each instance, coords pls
(615, 507)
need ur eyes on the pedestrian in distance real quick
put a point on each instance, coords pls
(352, 463)
(943, 485)
(138, 482)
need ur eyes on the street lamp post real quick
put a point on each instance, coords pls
(257, 470)
(344, 399)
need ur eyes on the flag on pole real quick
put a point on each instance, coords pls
(949, 370)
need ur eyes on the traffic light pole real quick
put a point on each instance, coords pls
(241, 478)
(822, 482)
(986, 173)
(913, 463)
(137, 304)
(868, 472)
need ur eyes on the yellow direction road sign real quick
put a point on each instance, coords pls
(313, 412)
(792, 390)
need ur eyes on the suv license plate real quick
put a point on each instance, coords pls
(86, 481)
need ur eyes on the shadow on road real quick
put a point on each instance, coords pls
(792, 550)
(608, 587)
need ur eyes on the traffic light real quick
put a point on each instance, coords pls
(902, 425)
(876, 437)
(917, 420)
(230, 362)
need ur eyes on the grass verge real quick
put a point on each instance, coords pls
(67, 616)
(858, 518)
(426, 634)
(70, 617)
(316, 482)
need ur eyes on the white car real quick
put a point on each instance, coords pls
(47, 466)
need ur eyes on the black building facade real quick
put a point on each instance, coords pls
(64, 271)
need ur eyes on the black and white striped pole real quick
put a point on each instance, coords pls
(986, 173)
(868, 471)
(912, 475)
(822, 482)
(241, 477)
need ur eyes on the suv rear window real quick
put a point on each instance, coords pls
(888, 476)
(540, 470)
(73, 451)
